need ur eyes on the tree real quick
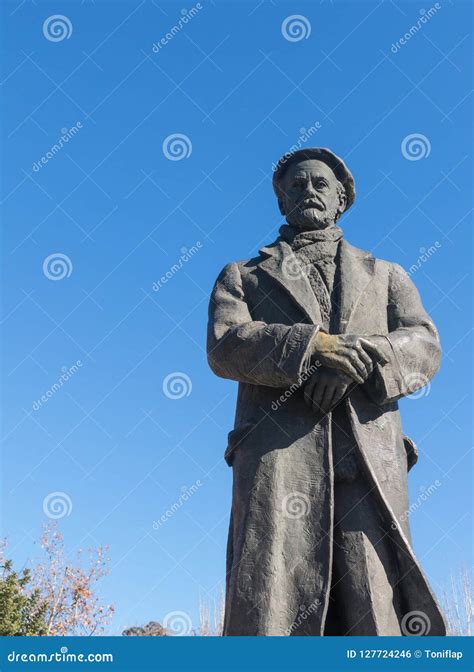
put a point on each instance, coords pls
(22, 611)
(458, 604)
(211, 623)
(151, 629)
(68, 587)
(56, 597)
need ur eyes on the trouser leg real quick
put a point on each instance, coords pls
(363, 600)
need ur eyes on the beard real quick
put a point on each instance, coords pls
(310, 218)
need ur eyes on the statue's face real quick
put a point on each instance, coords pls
(312, 196)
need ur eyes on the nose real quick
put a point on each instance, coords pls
(309, 189)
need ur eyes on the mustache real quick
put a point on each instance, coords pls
(311, 203)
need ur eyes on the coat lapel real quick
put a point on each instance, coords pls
(356, 272)
(282, 265)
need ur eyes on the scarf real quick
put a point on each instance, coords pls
(320, 243)
(316, 251)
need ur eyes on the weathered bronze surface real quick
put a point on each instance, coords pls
(323, 339)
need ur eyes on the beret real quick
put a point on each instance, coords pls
(339, 168)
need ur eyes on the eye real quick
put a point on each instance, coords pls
(299, 182)
(321, 185)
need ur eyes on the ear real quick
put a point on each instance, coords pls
(342, 200)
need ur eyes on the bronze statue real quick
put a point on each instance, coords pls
(323, 340)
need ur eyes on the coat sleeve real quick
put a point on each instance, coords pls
(411, 347)
(239, 348)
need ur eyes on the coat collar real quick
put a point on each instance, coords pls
(356, 271)
(282, 265)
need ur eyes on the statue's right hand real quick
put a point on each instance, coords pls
(326, 389)
(344, 352)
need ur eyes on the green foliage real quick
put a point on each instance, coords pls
(22, 611)
(57, 597)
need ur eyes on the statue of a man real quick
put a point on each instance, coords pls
(323, 340)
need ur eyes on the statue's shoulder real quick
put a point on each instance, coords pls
(393, 268)
(248, 266)
(242, 271)
(385, 265)
(243, 266)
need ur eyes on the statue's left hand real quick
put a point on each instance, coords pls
(326, 388)
(377, 347)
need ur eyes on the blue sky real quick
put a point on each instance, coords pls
(122, 214)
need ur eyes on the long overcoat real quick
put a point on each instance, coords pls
(263, 316)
